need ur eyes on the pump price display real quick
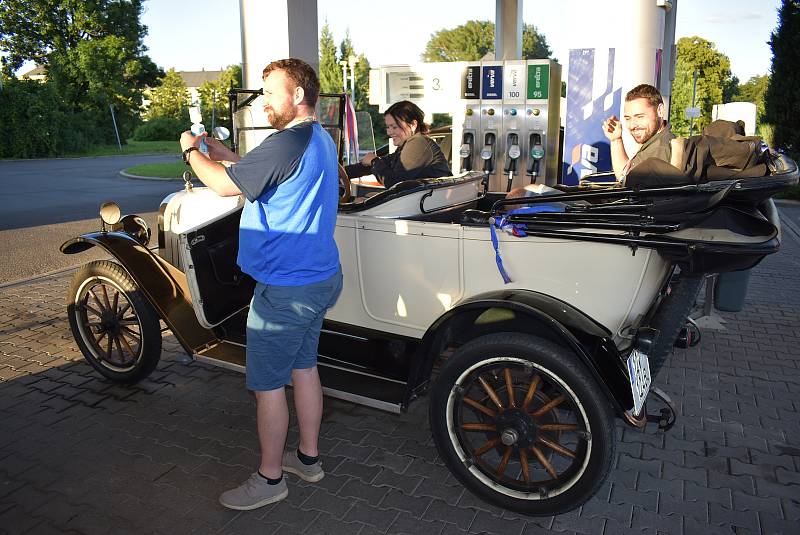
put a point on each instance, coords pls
(408, 85)
(492, 83)
(538, 82)
(471, 83)
(514, 80)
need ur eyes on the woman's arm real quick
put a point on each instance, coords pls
(406, 163)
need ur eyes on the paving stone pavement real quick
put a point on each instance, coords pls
(79, 454)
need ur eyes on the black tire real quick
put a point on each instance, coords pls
(115, 326)
(558, 457)
(670, 318)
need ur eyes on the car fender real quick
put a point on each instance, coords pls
(161, 283)
(534, 313)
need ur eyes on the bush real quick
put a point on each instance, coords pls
(38, 123)
(767, 133)
(160, 129)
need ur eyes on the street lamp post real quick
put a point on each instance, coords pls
(343, 63)
(694, 95)
(213, 107)
(351, 61)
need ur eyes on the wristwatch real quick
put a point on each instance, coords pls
(186, 154)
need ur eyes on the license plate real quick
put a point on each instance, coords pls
(639, 370)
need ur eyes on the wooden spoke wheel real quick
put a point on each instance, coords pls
(115, 327)
(522, 424)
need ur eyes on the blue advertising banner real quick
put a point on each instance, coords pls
(492, 84)
(586, 149)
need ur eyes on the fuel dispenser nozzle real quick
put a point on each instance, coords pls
(466, 151)
(513, 152)
(487, 152)
(537, 153)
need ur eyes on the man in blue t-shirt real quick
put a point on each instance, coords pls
(286, 244)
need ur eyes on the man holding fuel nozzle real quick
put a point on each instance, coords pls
(286, 244)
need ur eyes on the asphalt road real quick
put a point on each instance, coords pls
(45, 202)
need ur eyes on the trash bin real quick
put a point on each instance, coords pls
(730, 290)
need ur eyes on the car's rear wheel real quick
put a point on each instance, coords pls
(115, 326)
(522, 424)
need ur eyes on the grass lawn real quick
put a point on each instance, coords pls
(134, 147)
(162, 170)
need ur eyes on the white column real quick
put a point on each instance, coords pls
(508, 29)
(636, 58)
(277, 29)
(271, 30)
(670, 52)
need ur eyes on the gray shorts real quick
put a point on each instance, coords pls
(283, 330)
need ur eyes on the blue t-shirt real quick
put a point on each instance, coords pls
(292, 188)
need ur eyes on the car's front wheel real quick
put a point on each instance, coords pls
(522, 424)
(115, 326)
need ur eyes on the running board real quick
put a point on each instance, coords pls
(338, 380)
(361, 387)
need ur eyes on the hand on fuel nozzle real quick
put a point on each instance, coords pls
(612, 128)
(217, 150)
(190, 140)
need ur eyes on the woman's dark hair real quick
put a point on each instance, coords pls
(407, 112)
(301, 73)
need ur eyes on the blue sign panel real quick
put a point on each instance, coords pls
(586, 149)
(492, 84)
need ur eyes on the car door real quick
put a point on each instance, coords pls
(219, 288)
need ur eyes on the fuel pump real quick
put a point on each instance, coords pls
(514, 75)
(535, 156)
(492, 121)
(466, 151)
(512, 156)
(542, 112)
(488, 152)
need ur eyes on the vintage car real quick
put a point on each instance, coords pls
(531, 329)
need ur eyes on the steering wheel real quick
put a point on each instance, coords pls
(344, 185)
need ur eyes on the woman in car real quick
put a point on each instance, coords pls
(417, 155)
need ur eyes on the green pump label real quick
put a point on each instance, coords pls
(538, 81)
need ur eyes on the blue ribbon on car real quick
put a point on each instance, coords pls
(514, 229)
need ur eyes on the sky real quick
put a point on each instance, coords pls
(204, 34)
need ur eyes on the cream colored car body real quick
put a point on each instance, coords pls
(400, 274)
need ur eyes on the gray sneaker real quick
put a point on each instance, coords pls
(308, 472)
(254, 493)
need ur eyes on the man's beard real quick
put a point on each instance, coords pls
(280, 120)
(647, 134)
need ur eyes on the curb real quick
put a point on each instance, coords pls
(123, 174)
(791, 226)
(22, 282)
(52, 273)
(82, 157)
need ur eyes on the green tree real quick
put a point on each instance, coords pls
(714, 82)
(361, 100)
(782, 100)
(169, 98)
(214, 96)
(330, 74)
(754, 91)
(91, 51)
(346, 50)
(474, 39)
